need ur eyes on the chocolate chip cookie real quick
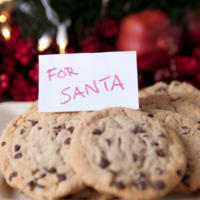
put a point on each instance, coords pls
(127, 153)
(167, 102)
(189, 132)
(174, 86)
(34, 155)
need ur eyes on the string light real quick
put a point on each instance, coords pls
(6, 32)
(62, 46)
(3, 1)
(3, 18)
(45, 41)
(62, 37)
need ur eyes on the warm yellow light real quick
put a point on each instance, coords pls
(2, 1)
(62, 46)
(6, 33)
(3, 18)
(42, 46)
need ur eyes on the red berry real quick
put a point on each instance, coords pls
(5, 85)
(4, 77)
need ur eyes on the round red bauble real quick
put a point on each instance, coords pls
(151, 34)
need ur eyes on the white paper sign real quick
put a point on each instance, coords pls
(85, 82)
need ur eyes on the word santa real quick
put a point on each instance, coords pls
(88, 88)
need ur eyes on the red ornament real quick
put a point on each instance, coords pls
(151, 34)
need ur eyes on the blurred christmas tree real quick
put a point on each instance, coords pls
(157, 30)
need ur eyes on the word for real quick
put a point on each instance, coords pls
(61, 73)
(116, 82)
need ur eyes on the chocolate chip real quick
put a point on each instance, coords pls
(119, 139)
(162, 135)
(140, 130)
(198, 121)
(61, 177)
(119, 185)
(67, 197)
(188, 165)
(158, 185)
(15, 125)
(14, 174)
(31, 183)
(185, 180)
(184, 127)
(39, 128)
(108, 141)
(33, 122)
(113, 172)
(149, 115)
(71, 129)
(154, 144)
(67, 141)
(43, 175)
(198, 128)
(18, 155)
(176, 99)
(57, 127)
(3, 143)
(17, 147)
(179, 172)
(159, 170)
(96, 132)
(40, 186)
(35, 171)
(145, 136)
(83, 198)
(142, 175)
(104, 163)
(160, 153)
(141, 185)
(23, 131)
(135, 157)
(51, 170)
(176, 84)
(161, 89)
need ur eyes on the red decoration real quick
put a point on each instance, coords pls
(151, 34)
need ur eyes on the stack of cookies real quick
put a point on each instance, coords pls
(107, 154)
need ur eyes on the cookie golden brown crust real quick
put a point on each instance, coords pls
(189, 132)
(34, 154)
(174, 86)
(127, 153)
(167, 102)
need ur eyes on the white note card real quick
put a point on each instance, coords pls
(87, 81)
